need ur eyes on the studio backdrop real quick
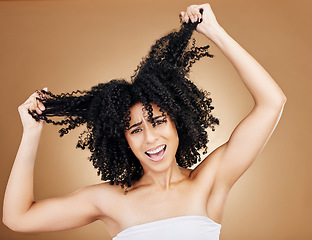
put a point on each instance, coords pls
(70, 45)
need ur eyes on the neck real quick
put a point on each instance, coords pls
(163, 179)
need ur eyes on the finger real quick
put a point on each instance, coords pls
(184, 17)
(41, 98)
(40, 105)
(35, 104)
(38, 111)
(181, 15)
(43, 94)
(44, 91)
(197, 10)
(190, 14)
(194, 13)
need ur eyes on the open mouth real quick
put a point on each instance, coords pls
(157, 154)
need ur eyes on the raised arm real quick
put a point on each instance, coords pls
(252, 133)
(20, 211)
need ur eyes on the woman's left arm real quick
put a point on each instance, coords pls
(252, 133)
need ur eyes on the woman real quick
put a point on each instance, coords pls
(143, 135)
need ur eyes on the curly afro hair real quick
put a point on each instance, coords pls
(161, 78)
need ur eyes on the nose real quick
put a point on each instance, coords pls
(151, 135)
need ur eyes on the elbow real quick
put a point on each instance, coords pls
(13, 225)
(5, 221)
(283, 99)
(277, 102)
(10, 224)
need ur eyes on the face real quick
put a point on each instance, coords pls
(154, 144)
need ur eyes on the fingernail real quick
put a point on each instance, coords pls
(39, 111)
(42, 107)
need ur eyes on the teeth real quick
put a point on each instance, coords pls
(156, 150)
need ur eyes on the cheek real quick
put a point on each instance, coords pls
(172, 127)
(133, 142)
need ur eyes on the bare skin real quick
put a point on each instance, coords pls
(165, 190)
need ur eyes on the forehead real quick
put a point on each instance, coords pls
(138, 111)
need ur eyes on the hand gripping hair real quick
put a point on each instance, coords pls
(161, 78)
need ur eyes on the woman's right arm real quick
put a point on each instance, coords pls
(20, 211)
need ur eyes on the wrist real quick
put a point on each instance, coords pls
(215, 34)
(32, 132)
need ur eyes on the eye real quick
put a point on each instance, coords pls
(158, 122)
(136, 130)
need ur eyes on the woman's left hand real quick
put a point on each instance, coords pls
(209, 25)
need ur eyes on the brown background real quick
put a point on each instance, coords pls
(69, 45)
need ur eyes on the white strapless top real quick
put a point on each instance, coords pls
(176, 228)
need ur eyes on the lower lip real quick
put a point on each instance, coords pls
(160, 158)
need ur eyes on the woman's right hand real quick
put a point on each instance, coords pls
(32, 104)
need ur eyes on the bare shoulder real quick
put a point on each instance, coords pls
(104, 187)
(104, 196)
(105, 190)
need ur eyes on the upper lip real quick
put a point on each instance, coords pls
(153, 149)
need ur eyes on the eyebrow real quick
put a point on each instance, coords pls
(135, 125)
(139, 123)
